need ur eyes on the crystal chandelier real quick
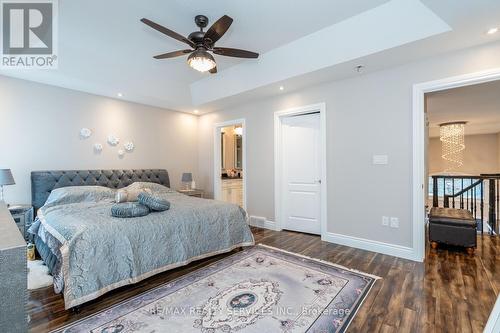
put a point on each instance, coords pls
(452, 136)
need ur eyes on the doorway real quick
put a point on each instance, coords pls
(300, 169)
(230, 162)
(419, 147)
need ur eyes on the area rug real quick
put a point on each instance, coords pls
(260, 289)
(38, 275)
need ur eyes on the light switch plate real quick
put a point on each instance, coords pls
(394, 222)
(385, 221)
(380, 159)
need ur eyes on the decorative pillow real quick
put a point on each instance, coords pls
(128, 195)
(146, 185)
(153, 202)
(75, 194)
(129, 209)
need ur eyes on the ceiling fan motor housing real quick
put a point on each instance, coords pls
(197, 37)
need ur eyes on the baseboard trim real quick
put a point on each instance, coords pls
(359, 243)
(371, 245)
(262, 222)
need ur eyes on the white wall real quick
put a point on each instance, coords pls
(366, 115)
(480, 155)
(40, 125)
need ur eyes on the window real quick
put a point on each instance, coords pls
(445, 187)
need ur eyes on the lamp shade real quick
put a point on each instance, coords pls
(6, 177)
(187, 177)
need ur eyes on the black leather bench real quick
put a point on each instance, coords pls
(452, 227)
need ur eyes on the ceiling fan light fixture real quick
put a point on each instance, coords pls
(201, 42)
(201, 60)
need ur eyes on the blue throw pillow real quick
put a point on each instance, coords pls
(153, 202)
(129, 209)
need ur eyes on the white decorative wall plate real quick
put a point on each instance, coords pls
(85, 133)
(129, 146)
(97, 147)
(113, 140)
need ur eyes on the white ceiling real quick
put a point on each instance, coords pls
(478, 105)
(104, 49)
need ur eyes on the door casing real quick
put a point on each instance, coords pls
(278, 197)
(418, 143)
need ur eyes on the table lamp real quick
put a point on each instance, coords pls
(5, 179)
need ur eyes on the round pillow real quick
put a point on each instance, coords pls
(129, 209)
(153, 202)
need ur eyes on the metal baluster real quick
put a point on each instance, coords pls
(445, 197)
(444, 192)
(497, 205)
(491, 203)
(482, 206)
(467, 197)
(472, 200)
(462, 196)
(475, 202)
(453, 191)
(435, 192)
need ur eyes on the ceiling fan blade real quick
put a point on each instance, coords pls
(167, 32)
(229, 52)
(213, 70)
(172, 54)
(218, 29)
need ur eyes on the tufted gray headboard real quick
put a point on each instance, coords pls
(43, 182)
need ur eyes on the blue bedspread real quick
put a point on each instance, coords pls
(100, 253)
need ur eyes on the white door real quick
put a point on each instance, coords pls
(301, 173)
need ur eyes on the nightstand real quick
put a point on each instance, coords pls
(193, 192)
(23, 216)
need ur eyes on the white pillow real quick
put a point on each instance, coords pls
(128, 195)
(76, 194)
(152, 186)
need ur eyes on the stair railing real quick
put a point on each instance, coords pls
(467, 192)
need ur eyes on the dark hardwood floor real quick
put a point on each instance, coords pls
(451, 292)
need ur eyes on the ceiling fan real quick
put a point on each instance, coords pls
(201, 43)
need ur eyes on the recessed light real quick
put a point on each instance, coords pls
(492, 31)
(120, 95)
(282, 88)
(196, 111)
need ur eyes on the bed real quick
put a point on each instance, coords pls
(89, 252)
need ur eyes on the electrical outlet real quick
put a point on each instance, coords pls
(385, 221)
(394, 222)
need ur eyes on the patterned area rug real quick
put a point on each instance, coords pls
(260, 289)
